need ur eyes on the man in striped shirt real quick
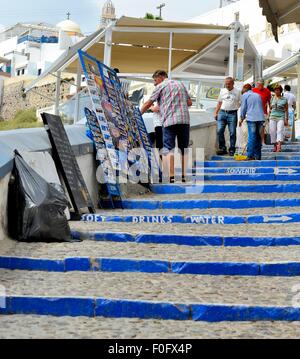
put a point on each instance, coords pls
(174, 102)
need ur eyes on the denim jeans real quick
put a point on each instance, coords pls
(254, 139)
(289, 130)
(291, 117)
(231, 120)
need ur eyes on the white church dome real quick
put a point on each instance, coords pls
(70, 27)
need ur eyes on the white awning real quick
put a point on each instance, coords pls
(213, 60)
(286, 68)
(280, 12)
(3, 60)
(142, 46)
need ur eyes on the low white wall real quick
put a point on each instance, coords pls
(87, 165)
(205, 136)
(88, 168)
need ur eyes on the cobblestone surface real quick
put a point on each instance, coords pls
(40, 327)
(275, 230)
(187, 289)
(204, 196)
(201, 212)
(224, 183)
(164, 252)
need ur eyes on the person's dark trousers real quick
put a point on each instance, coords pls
(152, 137)
(254, 139)
(230, 119)
(181, 132)
(159, 137)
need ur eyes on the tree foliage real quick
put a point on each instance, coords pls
(150, 16)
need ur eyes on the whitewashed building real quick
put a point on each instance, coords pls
(32, 48)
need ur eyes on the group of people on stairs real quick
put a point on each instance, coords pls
(170, 104)
(260, 109)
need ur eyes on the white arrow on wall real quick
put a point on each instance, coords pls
(268, 219)
(289, 171)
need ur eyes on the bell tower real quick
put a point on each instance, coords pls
(108, 13)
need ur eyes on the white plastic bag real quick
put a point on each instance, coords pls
(242, 138)
(297, 129)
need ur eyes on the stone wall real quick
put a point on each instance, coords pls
(40, 97)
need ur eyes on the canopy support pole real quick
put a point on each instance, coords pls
(198, 95)
(231, 54)
(170, 55)
(298, 92)
(57, 93)
(240, 56)
(298, 103)
(258, 69)
(255, 70)
(77, 98)
(108, 46)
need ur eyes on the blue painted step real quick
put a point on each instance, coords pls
(247, 164)
(208, 203)
(294, 150)
(264, 157)
(120, 308)
(239, 170)
(225, 188)
(184, 240)
(121, 265)
(285, 148)
(195, 219)
(251, 177)
(200, 172)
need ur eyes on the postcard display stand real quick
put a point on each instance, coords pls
(97, 130)
(117, 127)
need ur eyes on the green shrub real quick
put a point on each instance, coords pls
(23, 119)
(26, 116)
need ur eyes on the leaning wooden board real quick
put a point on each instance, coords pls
(67, 164)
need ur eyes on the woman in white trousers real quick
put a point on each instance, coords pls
(279, 117)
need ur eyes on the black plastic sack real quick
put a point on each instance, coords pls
(35, 207)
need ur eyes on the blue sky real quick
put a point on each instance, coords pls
(87, 12)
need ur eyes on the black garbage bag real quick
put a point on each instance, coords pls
(35, 207)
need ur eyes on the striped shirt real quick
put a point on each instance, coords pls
(172, 97)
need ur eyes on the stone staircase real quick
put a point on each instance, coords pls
(213, 260)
